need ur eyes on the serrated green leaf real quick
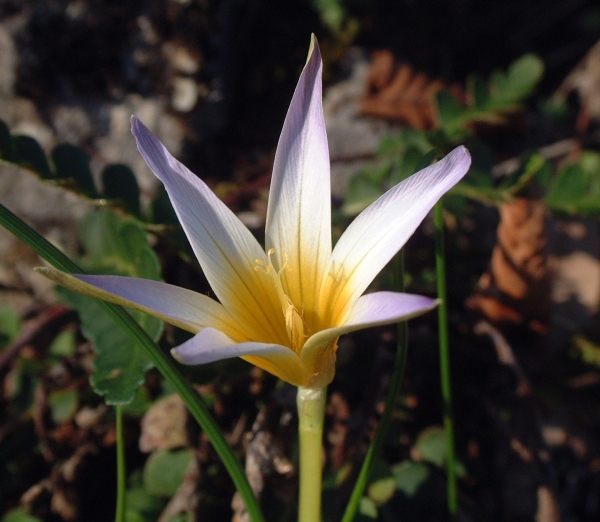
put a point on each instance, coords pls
(72, 163)
(119, 367)
(164, 471)
(120, 183)
(26, 152)
(118, 246)
(410, 476)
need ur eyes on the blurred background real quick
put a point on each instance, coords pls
(517, 82)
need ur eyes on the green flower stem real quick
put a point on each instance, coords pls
(445, 360)
(163, 363)
(120, 511)
(311, 414)
(395, 383)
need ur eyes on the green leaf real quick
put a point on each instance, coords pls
(478, 91)
(117, 246)
(10, 324)
(164, 471)
(410, 476)
(449, 110)
(382, 490)
(63, 404)
(63, 345)
(367, 508)
(143, 504)
(408, 164)
(120, 183)
(19, 515)
(431, 445)
(507, 89)
(72, 164)
(569, 190)
(26, 152)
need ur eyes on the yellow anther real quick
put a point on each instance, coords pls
(294, 320)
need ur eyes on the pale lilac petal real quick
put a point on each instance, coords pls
(183, 308)
(225, 248)
(374, 309)
(383, 228)
(298, 224)
(211, 345)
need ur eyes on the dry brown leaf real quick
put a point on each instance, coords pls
(548, 509)
(516, 287)
(163, 426)
(396, 92)
(585, 80)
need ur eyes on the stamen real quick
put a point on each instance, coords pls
(294, 320)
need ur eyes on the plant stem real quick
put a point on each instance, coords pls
(394, 389)
(311, 415)
(120, 511)
(452, 489)
(163, 363)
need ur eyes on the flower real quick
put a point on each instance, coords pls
(283, 308)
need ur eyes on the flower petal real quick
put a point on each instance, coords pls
(183, 308)
(383, 228)
(225, 248)
(298, 224)
(212, 345)
(370, 310)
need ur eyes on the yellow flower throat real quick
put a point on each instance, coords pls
(294, 318)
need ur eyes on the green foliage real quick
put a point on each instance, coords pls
(576, 187)
(19, 515)
(63, 404)
(143, 505)
(488, 103)
(164, 471)
(431, 445)
(410, 476)
(334, 16)
(63, 345)
(397, 158)
(72, 165)
(411, 150)
(10, 324)
(115, 245)
(120, 184)
(26, 152)
(69, 167)
(586, 350)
